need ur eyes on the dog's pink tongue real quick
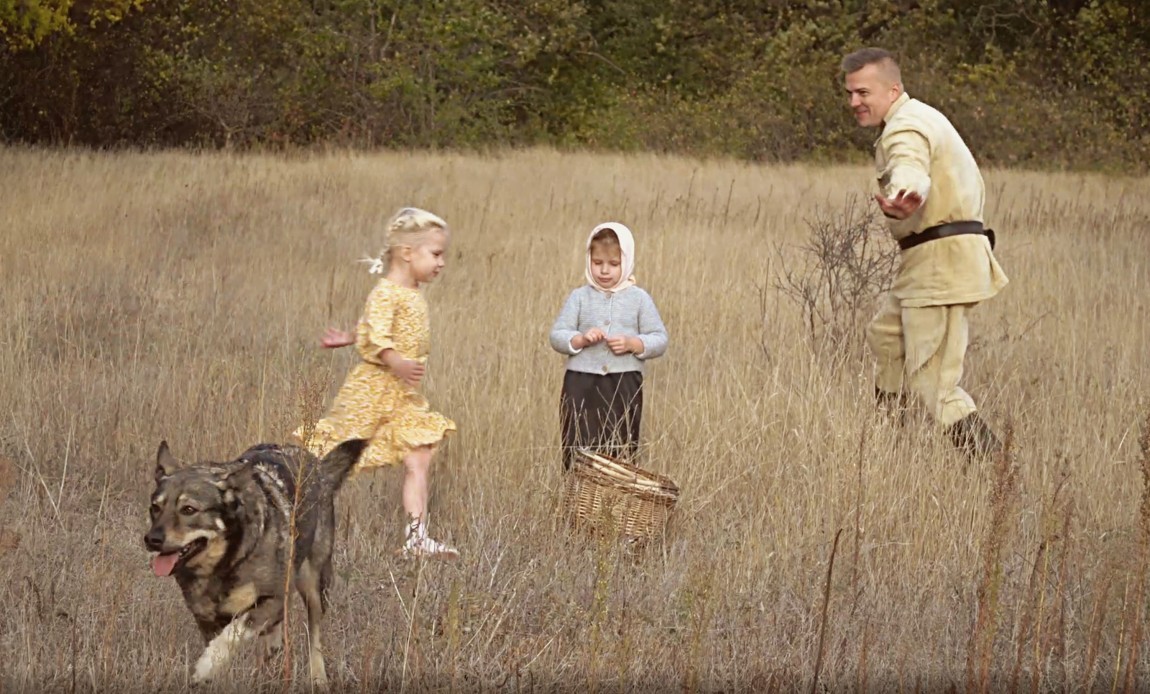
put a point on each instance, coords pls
(162, 564)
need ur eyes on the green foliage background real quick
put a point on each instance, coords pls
(1035, 83)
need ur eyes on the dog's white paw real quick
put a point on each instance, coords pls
(318, 672)
(208, 666)
(219, 650)
(202, 674)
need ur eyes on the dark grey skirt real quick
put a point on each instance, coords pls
(601, 412)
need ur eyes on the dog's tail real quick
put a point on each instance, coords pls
(340, 460)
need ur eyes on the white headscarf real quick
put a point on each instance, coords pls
(626, 251)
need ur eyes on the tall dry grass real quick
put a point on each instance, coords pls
(181, 296)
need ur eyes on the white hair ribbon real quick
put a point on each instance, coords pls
(377, 265)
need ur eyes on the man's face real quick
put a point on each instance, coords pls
(871, 93)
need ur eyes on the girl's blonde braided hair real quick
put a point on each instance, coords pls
(407, 227)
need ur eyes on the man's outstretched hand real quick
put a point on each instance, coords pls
(901, 205)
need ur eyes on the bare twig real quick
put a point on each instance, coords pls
(843, 267)
(826, 612)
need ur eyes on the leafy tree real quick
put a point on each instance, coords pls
(1030, 82)
(24, 24)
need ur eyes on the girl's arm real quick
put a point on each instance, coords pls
(409, 370)
(652, 332)
(378, 316)
(565, 335)
(379, 347)
(333, 338)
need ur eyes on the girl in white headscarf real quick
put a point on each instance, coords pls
(608, 328)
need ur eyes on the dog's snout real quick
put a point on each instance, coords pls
(154, 540)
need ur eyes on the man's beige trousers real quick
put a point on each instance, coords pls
(922, 348)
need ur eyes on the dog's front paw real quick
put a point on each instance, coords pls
(219, 650)
(318, 672)
(203, 673)
(209, 664)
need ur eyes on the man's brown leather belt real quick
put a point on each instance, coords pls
(941, 231)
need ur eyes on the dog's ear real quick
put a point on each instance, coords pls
(231, 479)
(166, 463)
(233, 473)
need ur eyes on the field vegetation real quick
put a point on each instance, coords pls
(181, 296)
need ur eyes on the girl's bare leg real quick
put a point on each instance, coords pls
(416, 474)
(416, 470)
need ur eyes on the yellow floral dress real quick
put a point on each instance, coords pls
(374, 403)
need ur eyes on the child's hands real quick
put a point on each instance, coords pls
(409, 371)
(588, 338)
(593, 336)
(622, 344)
(334, 337)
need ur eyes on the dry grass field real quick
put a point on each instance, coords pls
(181, 297)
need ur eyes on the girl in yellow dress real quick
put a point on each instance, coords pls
(380, 400)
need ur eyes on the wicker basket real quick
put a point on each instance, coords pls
(602, 493)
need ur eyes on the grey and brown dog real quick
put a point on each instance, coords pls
(224, 531)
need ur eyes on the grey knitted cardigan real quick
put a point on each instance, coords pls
(630, 311)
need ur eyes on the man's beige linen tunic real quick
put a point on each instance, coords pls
(919, 150)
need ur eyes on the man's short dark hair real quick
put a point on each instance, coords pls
(856, 61)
